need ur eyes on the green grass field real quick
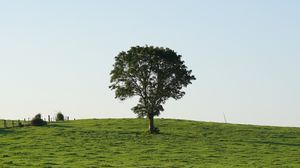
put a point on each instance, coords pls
(125, 143)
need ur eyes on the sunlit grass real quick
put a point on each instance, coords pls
(125, 143)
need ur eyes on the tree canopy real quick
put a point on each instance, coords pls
(152, 73)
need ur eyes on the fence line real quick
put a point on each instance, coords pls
(24, 122)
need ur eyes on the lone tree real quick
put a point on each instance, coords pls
(152, 73)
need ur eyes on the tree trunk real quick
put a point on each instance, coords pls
(151, 124)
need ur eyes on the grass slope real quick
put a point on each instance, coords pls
(124, 143)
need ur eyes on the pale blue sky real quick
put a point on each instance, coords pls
(57, 55)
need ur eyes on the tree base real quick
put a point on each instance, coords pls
(155, 130)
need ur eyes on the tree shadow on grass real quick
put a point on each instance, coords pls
(5, 131)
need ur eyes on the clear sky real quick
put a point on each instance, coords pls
(56, 55)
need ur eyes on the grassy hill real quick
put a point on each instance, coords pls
(124, 143)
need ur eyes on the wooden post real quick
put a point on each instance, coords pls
(49, 118)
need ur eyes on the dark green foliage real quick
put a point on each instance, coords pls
(155, 74)
(38, 116)
(38, 121)
(60, 117)
(20, 124)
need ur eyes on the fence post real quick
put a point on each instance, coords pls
(49, 118)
